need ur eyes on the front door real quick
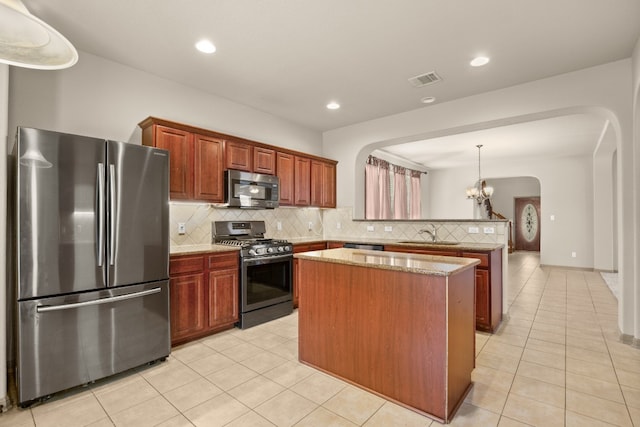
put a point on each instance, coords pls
(527, 219)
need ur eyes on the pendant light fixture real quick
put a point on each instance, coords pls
(481, 191)
(26, 41)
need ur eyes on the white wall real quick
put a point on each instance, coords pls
(629, 312)
(101, 98)
(604, 227)
(565, 185)
(4, 105)
(506, 189)
(604, 90)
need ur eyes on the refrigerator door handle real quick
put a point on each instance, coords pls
(112, 212)
(100, 213)
(48, 308)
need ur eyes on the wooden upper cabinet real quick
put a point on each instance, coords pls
(329, 180)
(302, 179)
(323, 184)
(198, 158)
(180, 146)
(238, 156)
(285, 167)
(208, 159)
(264, 160)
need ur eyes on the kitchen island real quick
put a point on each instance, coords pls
(397, 324)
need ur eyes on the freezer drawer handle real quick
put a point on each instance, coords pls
(47, 308)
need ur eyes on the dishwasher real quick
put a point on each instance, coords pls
(371, 247)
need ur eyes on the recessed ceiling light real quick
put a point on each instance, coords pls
(205, 46)
(333, 105)
(479, 61)
(428, 99)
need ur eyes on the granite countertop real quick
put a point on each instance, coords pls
(199, 249)
(405, 262)
(467, 246)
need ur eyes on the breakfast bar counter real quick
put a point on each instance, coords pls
(399, 325)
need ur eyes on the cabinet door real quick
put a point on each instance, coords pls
(328, 185)
(302, 187)
(264, 160)
(316, 183)
(482, 300)
(285, 167)
(208, 177)
(188, 305)
(223, 297)
(237, 156)
(180, 146)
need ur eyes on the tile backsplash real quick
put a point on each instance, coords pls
(294, 222)
(334, 224)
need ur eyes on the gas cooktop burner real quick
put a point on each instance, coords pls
(249, 236)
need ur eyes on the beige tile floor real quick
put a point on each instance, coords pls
(555, 361)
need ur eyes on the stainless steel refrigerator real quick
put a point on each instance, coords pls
(92, 254)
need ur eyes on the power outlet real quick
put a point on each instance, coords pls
(489, 230)
(279, 225)
(370, 228)
(474, 230)
(388, 228)
(182, 228)
(310, 226)
(573, 255)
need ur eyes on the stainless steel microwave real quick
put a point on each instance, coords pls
(251, 190)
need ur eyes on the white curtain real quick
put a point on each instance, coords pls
(391, 192)
(400, 195)
(371, 199)
(415, 211)
(377, 195)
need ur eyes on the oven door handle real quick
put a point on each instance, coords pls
(267, 260)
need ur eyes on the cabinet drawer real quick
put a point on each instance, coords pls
(222, 261)
(484, 258)
(308, 247)
(186, 264)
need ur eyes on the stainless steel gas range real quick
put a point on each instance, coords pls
(266, 282)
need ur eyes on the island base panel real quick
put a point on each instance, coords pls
(390, 332)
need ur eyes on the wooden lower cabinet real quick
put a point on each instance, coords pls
(297, 248)
(488, 281)
(483, 308)
(203, 294)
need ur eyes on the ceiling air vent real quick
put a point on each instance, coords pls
(425, 79)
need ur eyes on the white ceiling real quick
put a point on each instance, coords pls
(290, 57)
(572, 135)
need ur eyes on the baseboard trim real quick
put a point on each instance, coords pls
(630, 340)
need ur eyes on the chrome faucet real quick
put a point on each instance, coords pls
(433, 232)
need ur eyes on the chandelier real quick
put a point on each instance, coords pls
(480, 191)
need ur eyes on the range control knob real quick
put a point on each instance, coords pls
(252, 252)
(287, 248)
(270, 250)
(280, 249)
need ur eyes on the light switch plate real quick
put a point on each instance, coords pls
(279, 225)
(474, 230)
(489, 230)
(370, 228)
(182, 228)
(388, 228)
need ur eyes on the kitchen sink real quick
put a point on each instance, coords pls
(424, 242)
